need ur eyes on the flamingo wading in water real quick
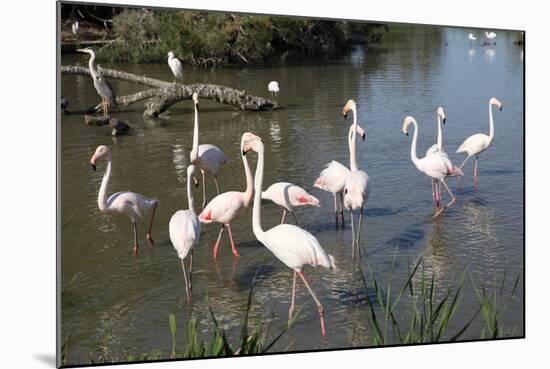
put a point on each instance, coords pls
(438, 146)
(437, 165)
(356, 188)
(185, 231)
(228, 206)
(291, 244)
(289, 196)
(478, 143)
(208, 158)
(137, 207)
(333, 179)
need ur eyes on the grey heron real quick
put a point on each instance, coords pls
(102, 86)
(175, 65)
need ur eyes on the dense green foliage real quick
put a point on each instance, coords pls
(210, 38)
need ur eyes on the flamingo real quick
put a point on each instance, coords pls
(290, 244)
(185, 231)
(356, 188)
(436, 187)
(471, 37)
(228, 206)
(333, 178)
(289, 196)
(490, 35)
(273, 87)
(478, 143)
(208, 158)
(132, 204)
(175, 65)
(437, 166)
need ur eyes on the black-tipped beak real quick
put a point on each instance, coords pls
(501, 108)
(345, 115)
(444, 120)
(363, 136)
(407, 134)
(244, 153)
(93, 167)
(197, 105)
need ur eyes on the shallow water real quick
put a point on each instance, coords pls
(415, 70)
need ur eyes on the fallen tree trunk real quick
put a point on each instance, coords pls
(163, 94)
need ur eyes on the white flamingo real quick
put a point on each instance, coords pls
(175, 65)
(228, 206)
(333, 178)
(490, 35)
(289, 196)
(478, 143)
(208, 158)
(437, 166)
(137, 207)
(273, 87)
(291, 244)
(356, 188)
(185, 231)
(436, 187)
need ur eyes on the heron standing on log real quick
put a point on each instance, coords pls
(102, 86)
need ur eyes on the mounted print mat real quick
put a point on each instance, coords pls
(239, 184)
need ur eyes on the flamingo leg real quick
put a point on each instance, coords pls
(233, 248)
(359, 230)
(203, 189)
(191, 275)
(291, 309)
(283, 217)
(342, 208)
(295, 218)
(453, 199)
(335, 210)
(464, 162)
(317, 302)
(149, 237)
(218, 241)
(352, 235)
(136, 246)
(475, 173)
(216, 182)
(185, 278)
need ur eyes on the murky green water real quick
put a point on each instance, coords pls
(412, 73)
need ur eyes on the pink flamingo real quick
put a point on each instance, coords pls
(437, 166)
(185, 232)
(333, 179)
(208, 158)
(291, 244)
(132, 204)
(228, 206)
(478, 143)
(289, 196)
(356, 188)
(436, 186)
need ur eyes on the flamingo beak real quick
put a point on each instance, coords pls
(444, 120)
(501, 108)
(407, 134)
(345, 115)
(93, 166)
(197, 104)
(363, 136)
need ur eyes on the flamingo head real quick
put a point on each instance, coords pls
(408, 120)
(361, 132)
(87, 50)
(441, 114)
(350, 105)
(170, 54)
(192, 173)
(196, 99)
(250, 141)
(495, 101)
(102, 151)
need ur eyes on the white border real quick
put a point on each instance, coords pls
(27, 242)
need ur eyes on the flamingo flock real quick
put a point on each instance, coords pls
(294, 246)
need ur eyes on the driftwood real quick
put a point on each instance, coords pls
(163, 94)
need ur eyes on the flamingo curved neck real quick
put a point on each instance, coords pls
(256, 209)
(249, 183)
(353, 141)
(190, 200)
(491, 124)
(414, 158)
(195, 150)
(102, 196)
(439, 134)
